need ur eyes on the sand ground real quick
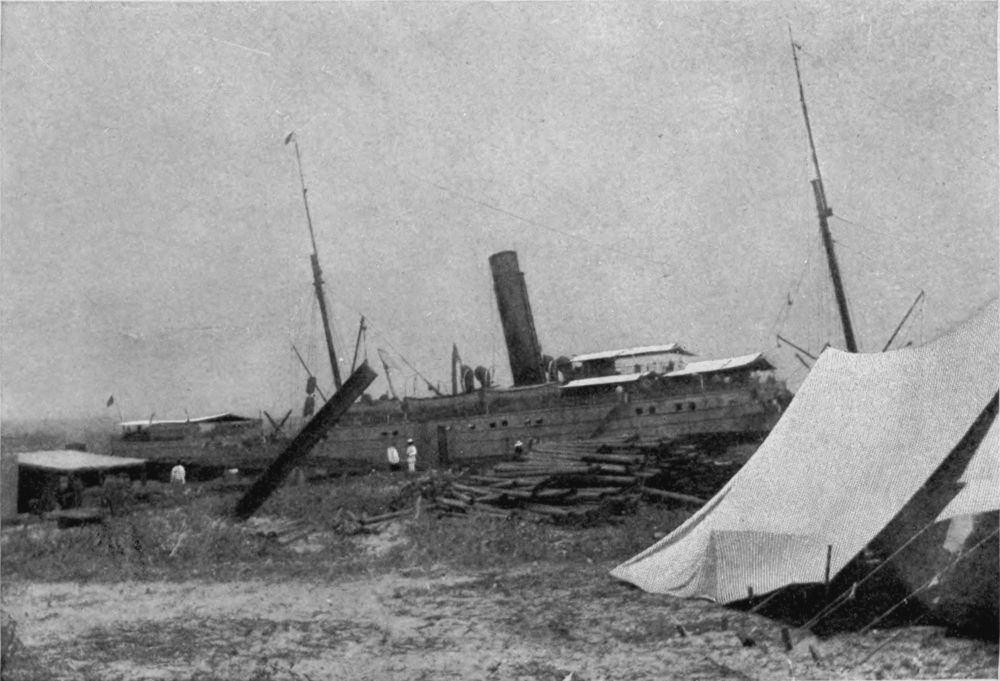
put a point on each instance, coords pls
(542, 622)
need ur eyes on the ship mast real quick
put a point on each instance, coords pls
(824, 212)
(317, 272)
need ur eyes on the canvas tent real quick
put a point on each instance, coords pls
(862, 436)
(980, 481)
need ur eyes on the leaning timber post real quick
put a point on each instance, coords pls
(302, 444)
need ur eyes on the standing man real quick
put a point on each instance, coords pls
(411, 455)
(178, 475)
(392, 454)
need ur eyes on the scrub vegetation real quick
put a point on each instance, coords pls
(170, 586)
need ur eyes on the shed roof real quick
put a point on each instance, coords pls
(68, 461)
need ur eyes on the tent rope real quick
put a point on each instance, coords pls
(886, 642)
(933, 580)
(848, 594)
(766, 600)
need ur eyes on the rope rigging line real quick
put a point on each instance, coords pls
(855, 224)
(853, 249)
(937, 254)
(374, 329)
(577, 238)
(785, 306)
(818, 61)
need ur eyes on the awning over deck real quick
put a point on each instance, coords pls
(616, 379)
(641, 351)
(754, 362)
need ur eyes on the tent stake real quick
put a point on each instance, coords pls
(826, 576)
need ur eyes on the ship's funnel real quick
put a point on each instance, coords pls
(518, 325)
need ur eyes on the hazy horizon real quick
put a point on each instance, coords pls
(647, 161)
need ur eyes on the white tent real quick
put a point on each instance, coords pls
(864, 433)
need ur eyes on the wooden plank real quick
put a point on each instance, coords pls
(614, 459)
(386, 516)
(547, 510)
(470, 489)
(452, 503)
(589, 480)
(673, 496)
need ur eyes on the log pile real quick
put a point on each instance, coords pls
(579, 482)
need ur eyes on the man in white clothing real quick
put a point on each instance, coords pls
(392, 454)
(411, 456)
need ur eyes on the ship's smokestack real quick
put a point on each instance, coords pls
(518, 325)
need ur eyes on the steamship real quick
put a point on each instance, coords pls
(651, 394)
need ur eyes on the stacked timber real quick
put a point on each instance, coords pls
(581, 481)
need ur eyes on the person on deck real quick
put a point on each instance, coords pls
(392, 454)
(411, 456)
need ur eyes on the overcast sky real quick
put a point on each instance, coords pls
(648, 162)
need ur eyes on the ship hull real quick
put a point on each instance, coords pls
(484, 426)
